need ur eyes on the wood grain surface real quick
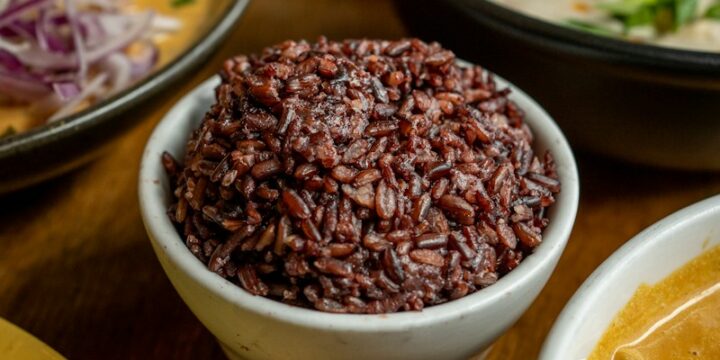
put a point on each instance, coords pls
(77, 270)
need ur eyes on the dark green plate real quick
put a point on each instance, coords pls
(52, 149)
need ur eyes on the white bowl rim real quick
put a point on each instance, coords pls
(554, 239)
(567, 323)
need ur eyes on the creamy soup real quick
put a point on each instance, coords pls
(700, 33)
(187, 23)
(677, 318)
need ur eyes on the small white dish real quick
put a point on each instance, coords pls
(648, 258)
(254, 327)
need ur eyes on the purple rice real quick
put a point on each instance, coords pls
(361, 177)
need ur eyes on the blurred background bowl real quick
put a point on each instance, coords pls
(640, 103)
(55, 148)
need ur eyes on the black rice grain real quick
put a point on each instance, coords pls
(361, 177)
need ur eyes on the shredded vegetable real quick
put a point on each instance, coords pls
(63, 54)
(658, 16)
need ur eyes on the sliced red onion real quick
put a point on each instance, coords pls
(20, 87)
(37, 58)
(92, 29)
(16, 10)
(145, 60)
(14, 47)
(60, 77)
(23, 28)
(77, 40)
(4, 4)
(120, 69)
(7, 32)
(43, 37)
(138, 24)
(46, 37)
(59, 18)
(66, 90)
(62, 55)
(9, 62)
(90, 89)
(123, 68)
(112, 24)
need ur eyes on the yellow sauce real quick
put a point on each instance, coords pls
(677, 318)
(194, 17)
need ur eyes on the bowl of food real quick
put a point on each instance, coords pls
(635, 80)
(357, 199)
(70, 71)
(654, 298)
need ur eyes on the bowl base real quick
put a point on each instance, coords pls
(230, 353)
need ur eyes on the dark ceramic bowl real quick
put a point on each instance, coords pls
(52, 149)
(641, 103)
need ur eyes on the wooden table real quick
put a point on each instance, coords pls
(77, 270)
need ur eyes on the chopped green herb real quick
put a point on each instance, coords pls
(179, 3)
(590, 27)
(643, 16)
(663, 15)
(664, 21)
(685, 11)
(622, 8)
(713, 12)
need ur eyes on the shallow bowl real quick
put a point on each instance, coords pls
(648, 258)
(58, 147)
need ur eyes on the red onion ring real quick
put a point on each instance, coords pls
(55, 54)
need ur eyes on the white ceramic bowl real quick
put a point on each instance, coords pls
(258, 328)
(648, 258)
